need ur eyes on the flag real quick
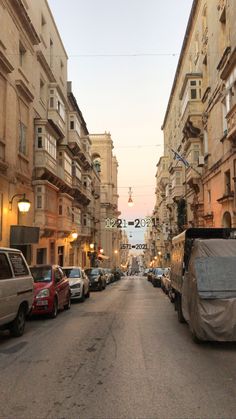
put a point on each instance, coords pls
(178, 157)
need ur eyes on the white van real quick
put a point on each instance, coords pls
(16, 291)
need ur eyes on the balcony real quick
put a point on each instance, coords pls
(64, 224)
(64, 176)
(193, 176)
(191, 109)
(47, 222)
(74, 141)
(177, 191)
(57, 122)
(85, 231)
(231, 123)
(44, 162)
(80, 192)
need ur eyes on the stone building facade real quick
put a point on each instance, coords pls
(200, 125)
(45, 149)
(102, 156)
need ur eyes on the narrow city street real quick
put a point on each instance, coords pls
(121, 354)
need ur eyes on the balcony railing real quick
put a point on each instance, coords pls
(177, 191)
(74, 140)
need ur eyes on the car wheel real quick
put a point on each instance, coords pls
(18, 325)
(100, 286)
(83, 296)
(88, 294)
(54, 312)
(68, 305)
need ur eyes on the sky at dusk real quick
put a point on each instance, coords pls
(122, 60)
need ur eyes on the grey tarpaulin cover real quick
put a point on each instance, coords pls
(209, 290)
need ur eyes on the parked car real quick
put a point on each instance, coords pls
(51, 290)
(165, 280)
(117, 274)
(156, 277)
(149, 274)
(109, 275)
(97, 279)
(78, 281)
(16, 291)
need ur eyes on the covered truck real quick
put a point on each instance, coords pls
(203, 280)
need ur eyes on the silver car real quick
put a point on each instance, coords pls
(79, 282)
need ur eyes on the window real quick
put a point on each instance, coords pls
(40, 142)
(18, 264)
(51, 102)
(205, 141)
(58, 274)
(178, 179)
(209, 196)
(72, 124)
(193, 94)
(5, 270)
(22, 138)
(43, 23)
(196, 153)
(2, 151)
(42, 92)
(39, 201)
(67, 164)
(227, 182)
(51, 53)
(22, 55)
(224, 120)
(60, 211)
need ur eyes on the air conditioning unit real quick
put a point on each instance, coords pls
(201, 161)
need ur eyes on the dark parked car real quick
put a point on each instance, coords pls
(109, 275)
(97, 279)
(51, 290)
(156, 276)
(149, 274)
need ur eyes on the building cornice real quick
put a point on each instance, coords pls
(19, 8)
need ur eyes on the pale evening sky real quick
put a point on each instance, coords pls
(122, 60)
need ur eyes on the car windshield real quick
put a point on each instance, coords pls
(158, 271)
(72, 273)
(92, 272)
(41, 274)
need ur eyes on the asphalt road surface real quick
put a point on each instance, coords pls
(120, 354)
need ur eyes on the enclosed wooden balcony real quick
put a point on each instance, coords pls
(231, 123)
(44, 162)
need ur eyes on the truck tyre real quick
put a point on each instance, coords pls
(179, 309)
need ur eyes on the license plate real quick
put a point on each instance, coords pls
(42, 303)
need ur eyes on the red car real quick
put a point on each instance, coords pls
(51, 290)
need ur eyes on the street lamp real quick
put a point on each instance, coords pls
(74, 235)
(23, 203)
